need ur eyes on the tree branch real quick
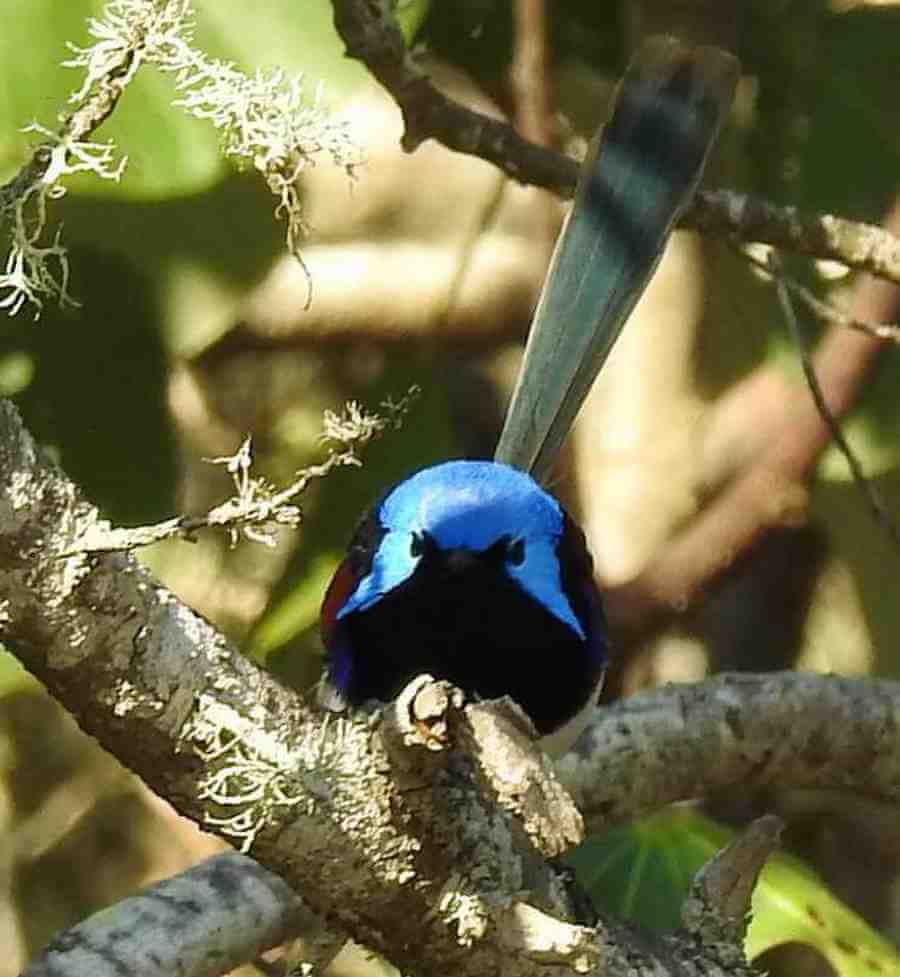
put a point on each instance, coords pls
(200, 923)
(377, 829)
(218, 913)
(822, 310)
(371, 35)
(870, 495)
(865, 247)
(786, 729)
(258, 508)
(371, 840)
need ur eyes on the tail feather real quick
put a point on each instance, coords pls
(640, 173)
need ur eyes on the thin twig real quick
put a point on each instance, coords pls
(257, 508)
(531, 83)
(529, 73)
(824, 310)
(864, 247)
(876, 506)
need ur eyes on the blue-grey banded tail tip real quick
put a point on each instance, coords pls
(641, 171)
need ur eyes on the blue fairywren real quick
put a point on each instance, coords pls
(469, 570)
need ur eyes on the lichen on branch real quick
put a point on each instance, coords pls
(267, 120)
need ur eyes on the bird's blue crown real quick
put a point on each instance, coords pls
(470, 505)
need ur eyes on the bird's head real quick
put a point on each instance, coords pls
(465, 516)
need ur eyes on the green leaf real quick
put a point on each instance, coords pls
(642, 873)
(793, 905)
(34, 85)
(300, 39)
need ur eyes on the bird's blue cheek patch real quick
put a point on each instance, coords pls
(539, 576)
(392, 565)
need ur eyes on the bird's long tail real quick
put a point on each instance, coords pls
(642, 170)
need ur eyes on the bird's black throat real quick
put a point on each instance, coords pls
(462, 618)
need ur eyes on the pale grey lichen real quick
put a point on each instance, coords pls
(266, 119)
(465, 911)
(245, 774)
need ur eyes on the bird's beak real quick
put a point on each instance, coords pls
(460, 560)
(640, 173)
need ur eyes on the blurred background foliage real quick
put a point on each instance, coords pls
(191, 333)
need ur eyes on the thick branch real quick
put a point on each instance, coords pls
(323, 807)
(231, 748)
(786, 729)
(323, 804)
(204, 922)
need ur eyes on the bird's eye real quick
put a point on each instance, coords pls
(515, 552)
(417, 544)
(507, 551)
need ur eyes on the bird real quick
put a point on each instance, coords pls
(471, 570)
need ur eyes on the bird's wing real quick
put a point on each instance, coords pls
(641, 171)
